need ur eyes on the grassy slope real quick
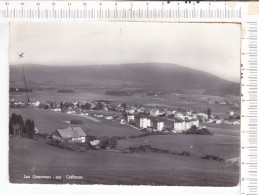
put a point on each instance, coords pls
(198, 145)
(31, 157)
(48, 121)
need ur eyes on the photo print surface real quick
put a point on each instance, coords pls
(125, 103)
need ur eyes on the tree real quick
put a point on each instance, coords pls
(11, 130)
(209, 112)
(30, 127)
(18, 121)
(108, 142)
(61, 105)
(98, 106)
(124, 105)
(14, 118)
(86, 106)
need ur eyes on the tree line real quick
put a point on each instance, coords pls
(17, 126)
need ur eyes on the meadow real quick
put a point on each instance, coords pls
(31, 157)
(48, 121)
(198, 145)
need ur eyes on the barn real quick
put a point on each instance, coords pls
(71, 134)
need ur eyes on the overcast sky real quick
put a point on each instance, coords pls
(213, 48)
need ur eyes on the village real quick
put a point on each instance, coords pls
(145, 118)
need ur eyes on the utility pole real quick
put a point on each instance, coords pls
(25, 83)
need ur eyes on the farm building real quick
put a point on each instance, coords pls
(74, 134)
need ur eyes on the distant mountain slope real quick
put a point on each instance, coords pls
(150, 76)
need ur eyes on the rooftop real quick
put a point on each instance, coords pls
(73, 132)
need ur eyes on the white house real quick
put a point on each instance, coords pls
(158, 125)
(36, 104)
(71, 112)
(202, 115)
(130, 111)
(179, 125)
(194, 122)
(109, 117)
(143, 122)
(36, 130)
(56, 109)
(187, 125)
(122, 121)
(188, 113)
(154, 112)
(179, 116)
(74, 134)
(218, 121)
(130, 118)
(231, 113)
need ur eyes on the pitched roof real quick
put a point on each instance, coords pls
(71, 132)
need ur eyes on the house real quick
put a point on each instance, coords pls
(71, 134)
(108, 117)
(35, 104)
(188, 112)
(194, 122)
(99, 115)
(202, 115)
(71, 112)
(36, 130)
(95, 142)
(158, 125)
(179, 125)
(122, 121)
(154, 112)
(130, 118)
(218, 121)
(130, 111)
(143, 122)
(210, 120)
(231, 113)
(187, 125)
(179, 116)
(236, 123)
(56, 109)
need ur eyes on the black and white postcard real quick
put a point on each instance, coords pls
(131, 103)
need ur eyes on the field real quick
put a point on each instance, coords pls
(29, 157)
(195, 100)
(198, 145)
(48, 121)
